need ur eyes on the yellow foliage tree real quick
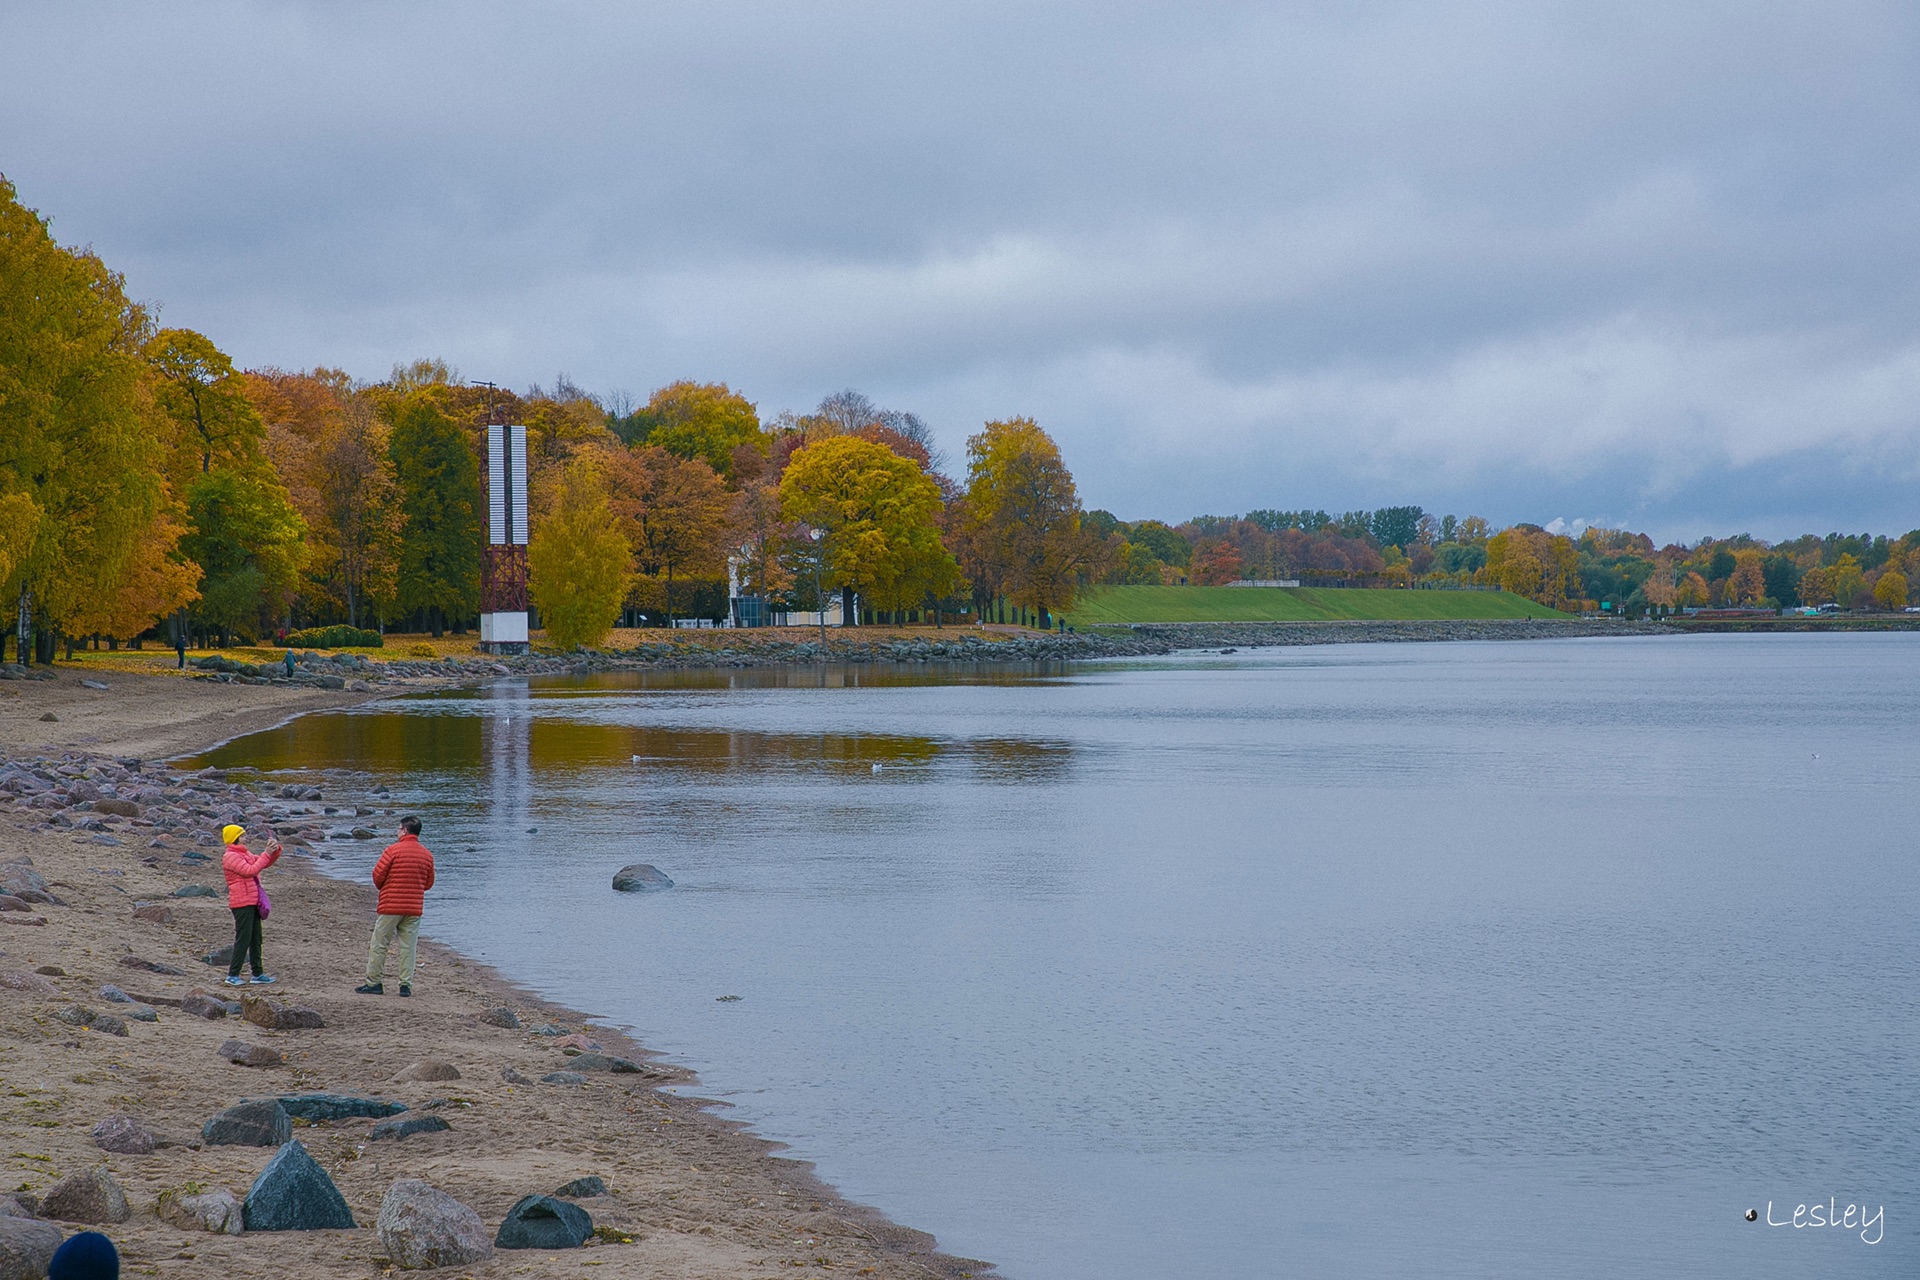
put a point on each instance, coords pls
(579, 565)
(1023, 517)
(80, 481)
(1890, 592)
(1748, 584)
(1849, 581)
(876, 511)
(1692, 592)
(157, 582)
(1531, 562)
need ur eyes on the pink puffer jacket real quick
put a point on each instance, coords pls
(243, 874)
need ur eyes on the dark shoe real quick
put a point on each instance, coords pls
(405, 989)
(370, 989)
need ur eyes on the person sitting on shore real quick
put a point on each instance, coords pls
(248, 900)
(403, 875)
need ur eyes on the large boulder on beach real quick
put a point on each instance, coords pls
(31, 984)
(603, 1062)
(338, 1106)
(27, 1245)
(260, 1123)
(124, 1136)
(20, 880)
(428, 1069)
(218, 1210)
(274, 1016)
(293, 1193)
(422, 1226)
(542, 1222)
(240, 1053)
(201, 1006)
(88, 1196)
(640, 877)
(407, 1126)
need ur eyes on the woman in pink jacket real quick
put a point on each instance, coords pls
(248, 902)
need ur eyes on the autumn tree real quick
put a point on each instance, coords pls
(877, 514)
(82, 488)
(1216, 562)
(676, 514)
(1748, 582)
(206, 399)
(438, 482)
(329, 443)
(1529, 561)
(1026, 515)
(579, 564)
(762, 531)
(705, 420)
(1848, 581)
(1890, 592)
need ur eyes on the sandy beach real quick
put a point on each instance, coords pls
(689, 1194)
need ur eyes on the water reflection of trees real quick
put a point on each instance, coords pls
(400, 742)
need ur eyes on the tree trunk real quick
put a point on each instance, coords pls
(847, 616)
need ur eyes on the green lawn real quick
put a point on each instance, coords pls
(1112, 605)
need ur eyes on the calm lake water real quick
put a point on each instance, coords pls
(1421, 960)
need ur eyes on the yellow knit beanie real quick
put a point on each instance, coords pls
(231, 833)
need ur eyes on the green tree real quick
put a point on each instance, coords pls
(579, 564)
(199, 391)
(440, 501)
(248, 541)
(877, 512)
(242, 528)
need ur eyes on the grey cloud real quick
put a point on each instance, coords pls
(1557, 260)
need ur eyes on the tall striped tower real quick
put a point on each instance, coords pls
(503, 572)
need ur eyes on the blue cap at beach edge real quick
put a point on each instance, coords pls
(87, 1256)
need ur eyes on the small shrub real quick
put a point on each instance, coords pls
(336, 637)
(421, 649)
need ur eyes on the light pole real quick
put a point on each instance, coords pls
(819, 597)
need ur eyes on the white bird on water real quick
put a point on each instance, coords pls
(636, 759)
(876, 766)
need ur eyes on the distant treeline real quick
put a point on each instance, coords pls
(1625, 571)
(148, 488)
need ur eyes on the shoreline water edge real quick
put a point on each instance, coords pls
(124, 1054)
(117, 1025)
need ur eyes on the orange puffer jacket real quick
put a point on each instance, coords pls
(403, 875)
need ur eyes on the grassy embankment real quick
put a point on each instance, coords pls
(1112, 606)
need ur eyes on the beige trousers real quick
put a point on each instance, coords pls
(407, 929)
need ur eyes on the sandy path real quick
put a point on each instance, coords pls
(699, 1197)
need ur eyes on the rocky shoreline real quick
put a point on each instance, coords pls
(302, 1131)
(355, 672)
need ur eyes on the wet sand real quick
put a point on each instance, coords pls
(694, 1195)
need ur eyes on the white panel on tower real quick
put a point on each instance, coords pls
(496, 486)
(518, 485)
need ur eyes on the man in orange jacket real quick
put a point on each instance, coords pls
(403, 875)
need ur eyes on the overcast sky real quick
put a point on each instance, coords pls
(1641, 264)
